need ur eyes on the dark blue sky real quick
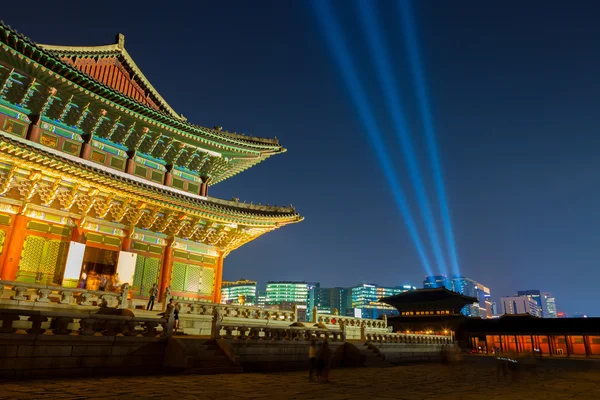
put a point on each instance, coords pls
(515, 92)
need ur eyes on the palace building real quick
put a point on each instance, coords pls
(103, 183)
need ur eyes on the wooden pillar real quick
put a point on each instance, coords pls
(126, 244)
(203, 189)
(517, 343)
(130, 162)
(551, 349)
(586, 344)
(500, 340)
(86, 151)
(218, 280)
(567, 345)
(165, 271)
(34, 131)
(168, 176)
(14, 247)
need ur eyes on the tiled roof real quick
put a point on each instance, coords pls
(52, 61)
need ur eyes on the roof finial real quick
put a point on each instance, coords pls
(120, 40)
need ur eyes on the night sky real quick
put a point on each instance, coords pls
(515, 92)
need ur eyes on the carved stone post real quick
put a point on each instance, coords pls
(62, 325)
(36, 325)
(216, 323)
(19, 293)
(66, 297)
(43, 295)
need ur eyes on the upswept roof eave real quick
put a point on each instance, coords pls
(239, 210)
(156, 115)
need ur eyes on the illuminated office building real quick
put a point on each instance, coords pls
(365, 299)
(239, 292)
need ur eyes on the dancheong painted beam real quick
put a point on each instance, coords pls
(103, 183)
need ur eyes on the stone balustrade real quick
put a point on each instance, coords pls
(351, 321)
(61, 323)
(41, 294)
(406, 338)
(237, 332)
(236, 311)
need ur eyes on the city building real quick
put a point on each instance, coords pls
(331, 299)
(239, 292)
(536, 295)
(548, 306)
(365, 300)
(520, 305)
(436, 281)
(261, 298)
(494, 306)
(470, 288)
(286, 294)
(561, 314)
(103, 181)
(579, 315)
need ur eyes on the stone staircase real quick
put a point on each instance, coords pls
(373, 358)
(197, 355)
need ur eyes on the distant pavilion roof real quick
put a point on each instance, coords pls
(423, 298)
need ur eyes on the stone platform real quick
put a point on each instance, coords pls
(470, 381)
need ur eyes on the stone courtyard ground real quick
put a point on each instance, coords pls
(423, 381)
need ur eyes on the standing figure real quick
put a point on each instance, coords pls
(312, 359)
(152, 299)
(323, 361)
(176, 315)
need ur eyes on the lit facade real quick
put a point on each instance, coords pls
(238, 292)
(520, 305)
(331, 299)
(471, 288)
(365, 299)
(536, 296)
(549, 305)
(286, 294)
(102, 183)
(436, 281)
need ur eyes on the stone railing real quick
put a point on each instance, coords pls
(237, 311)
(35, 293)
(406, 338)
(351, 321)
(237, 332)
(61, 323)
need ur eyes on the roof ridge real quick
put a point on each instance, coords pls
(235, 137)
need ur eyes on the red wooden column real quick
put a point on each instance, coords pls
(130, 163)
(218, 280)
(14, 247)
(165, 271)
(34, 131)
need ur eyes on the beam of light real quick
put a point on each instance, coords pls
(390, 88)
(337, 42)
(410, 37)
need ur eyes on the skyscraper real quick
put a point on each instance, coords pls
(536, 295)
(469, 287)
(436, 281)
(519, 305)
(330, 299)
(549, 305)
(365, 299)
